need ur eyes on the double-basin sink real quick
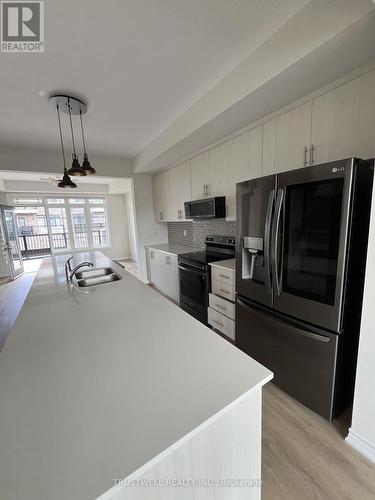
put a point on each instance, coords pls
(97, 276)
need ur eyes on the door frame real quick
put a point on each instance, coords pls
(14, 273)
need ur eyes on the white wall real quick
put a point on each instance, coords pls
(129, 207)
(362, 431)
(118, 227)
(148, 231)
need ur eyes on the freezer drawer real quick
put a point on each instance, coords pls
(303, 359)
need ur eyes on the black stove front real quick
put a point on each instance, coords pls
(195, 274)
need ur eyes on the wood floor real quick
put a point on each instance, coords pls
(304, 457)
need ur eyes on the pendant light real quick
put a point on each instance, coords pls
(76, 169)
(66, 181)
(86, 167)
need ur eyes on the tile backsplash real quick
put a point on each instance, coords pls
(193, 233)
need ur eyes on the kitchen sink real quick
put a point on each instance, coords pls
(94, 273)
(98, 280)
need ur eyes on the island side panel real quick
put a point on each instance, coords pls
(229, 448)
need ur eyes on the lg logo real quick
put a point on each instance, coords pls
(22, 26)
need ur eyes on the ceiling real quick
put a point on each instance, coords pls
(140, 64)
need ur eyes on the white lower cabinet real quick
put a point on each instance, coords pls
(221, 322)
(221, 310)
(163, 272)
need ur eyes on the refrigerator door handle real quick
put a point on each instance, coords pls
(302, 329)
(275, 241)
(267, 240)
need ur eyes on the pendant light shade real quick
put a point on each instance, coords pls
(76, 169)
(66, 181)
(87, 167)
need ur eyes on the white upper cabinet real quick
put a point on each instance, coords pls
(244, 162)
(343, 121)
(287, 140)
(179, 191)
(160, 185)
(171, 189)
(198, 170)
(216, 168)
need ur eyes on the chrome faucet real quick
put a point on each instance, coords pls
(69, 272)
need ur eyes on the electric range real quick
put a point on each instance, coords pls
(195, 274)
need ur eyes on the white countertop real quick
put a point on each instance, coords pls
(225, 264)
(93, 386)
(173, 248)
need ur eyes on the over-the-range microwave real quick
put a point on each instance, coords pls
(208, 208)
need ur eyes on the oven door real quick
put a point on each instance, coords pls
(194, 283)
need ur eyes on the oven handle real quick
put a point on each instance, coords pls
(267, 231)
(195, 269)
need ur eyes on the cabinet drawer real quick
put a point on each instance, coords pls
(223, 290)
(223, 275)
(221, 305)
(222, 323)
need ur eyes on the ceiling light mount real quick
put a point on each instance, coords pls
(65, 102)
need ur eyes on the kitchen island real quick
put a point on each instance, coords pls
(115, 383)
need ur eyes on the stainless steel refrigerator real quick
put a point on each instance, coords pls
(300, 262)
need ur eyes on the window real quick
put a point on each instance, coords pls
(80, 232)
(55, 201)
(41, 221)
(77, 201)
(27, 201)
(55, 220)
(64, 222)
(99, 226)
(59, 228)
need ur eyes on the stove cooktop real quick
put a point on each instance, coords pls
(203, 257)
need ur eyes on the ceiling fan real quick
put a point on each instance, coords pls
(51, 180)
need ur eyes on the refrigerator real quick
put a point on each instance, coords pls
(300, 264)
(10, 255)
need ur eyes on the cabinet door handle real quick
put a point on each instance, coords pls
(221, 307)
(312, 149)
(222, 290)
(224, 276)
(218, 323)
(161, 216)
(305, 151)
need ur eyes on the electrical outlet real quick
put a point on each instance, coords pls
(185, 232)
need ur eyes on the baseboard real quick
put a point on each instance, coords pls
(360, 444)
